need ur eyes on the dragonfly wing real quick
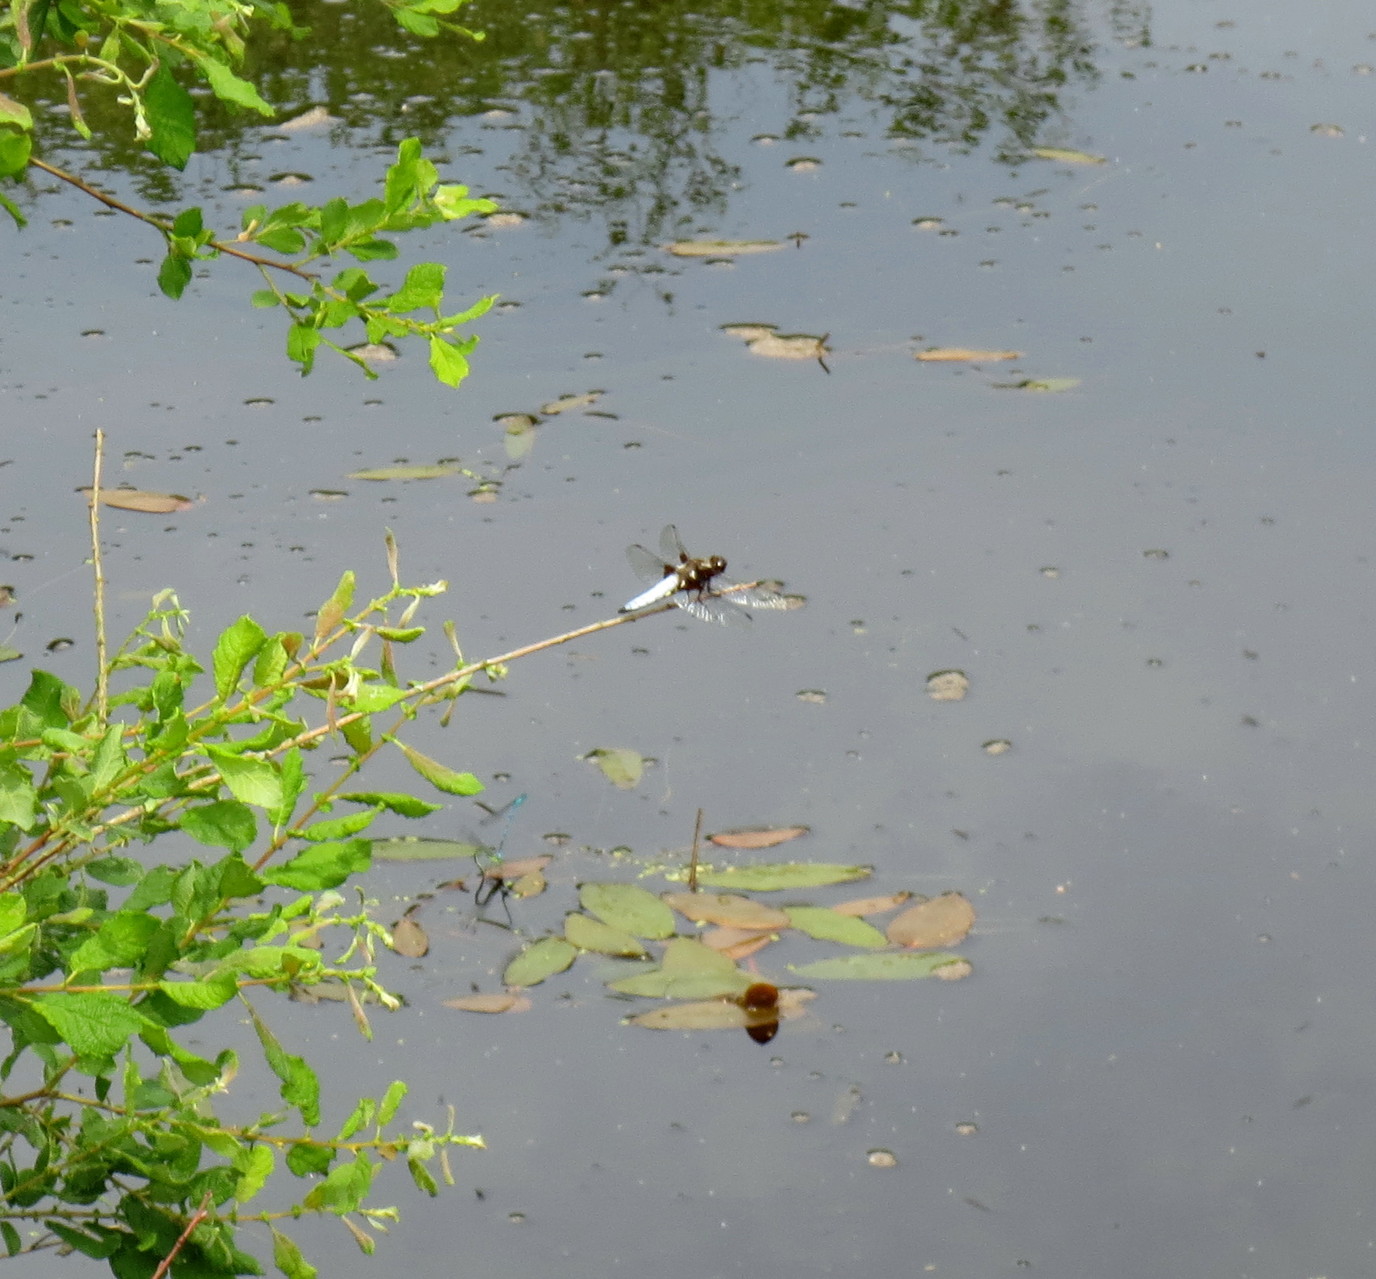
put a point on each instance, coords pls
(648, 566)
(672, 546)
(756, 597)
(711, 608)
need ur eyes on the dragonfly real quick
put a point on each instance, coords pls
(488, 858)
(696, 585)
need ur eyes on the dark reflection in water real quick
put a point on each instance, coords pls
(620, 115)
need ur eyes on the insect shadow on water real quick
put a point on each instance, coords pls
(488, 859)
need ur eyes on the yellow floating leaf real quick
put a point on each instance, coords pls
(965, 353)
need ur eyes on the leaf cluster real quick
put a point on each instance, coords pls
(110, 1140)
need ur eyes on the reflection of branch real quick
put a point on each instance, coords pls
(163, 225)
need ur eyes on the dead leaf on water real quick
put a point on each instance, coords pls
(758, 836)
(1067, 156)
(725, 908)
(406, 472)
(489, 1003)
(737, 943)
(518, 867)
(789, 346)
(965, 353)
(947, 686)
(567, 403)
(872, 905)
(748, 332)
(308, 120)
(942, 921)
(1044, 384)
(721, 248)
(142, 500)
(409, 938)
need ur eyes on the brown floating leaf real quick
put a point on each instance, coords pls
(758, 836)
(489, 1003)
(726, 936)
(871, 905)
(409, 938)
(965, 353)
(517, 867)
(725, 908)
(567, 403)
(943, 921)
(720, 248)
(143, 500)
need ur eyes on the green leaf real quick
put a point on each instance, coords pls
(332, 611)
(16, 113)
(690, 970)
(448, 363)
(18, 798)
(14, 910)
(827, 925)
(109, 759)
(300, 1087)
(592, 934)
(171, 119)
(423, 287)
(302, 340)
(538, 961)
(121, 941)
(391, 1101)
(394, 801)
(288, 1258)
(228, 87)
(628, 907)
(223, 823)
(322, 866)
(772, 878)
(234, 650)
(15, 147)
(95, 1025)
(441, 778)
(174, 275)
(210, 993)
(117, 871)
(254, 1165)
(902, 966)
(339, 827)
(253, 781)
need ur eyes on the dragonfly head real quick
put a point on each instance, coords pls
(717, 564)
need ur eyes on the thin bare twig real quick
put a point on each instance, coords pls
(196, 1218)
(693, 862)
(163, 225)
(102, 676)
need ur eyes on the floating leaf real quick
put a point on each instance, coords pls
(758, 836)
(689, 970)
(434, 472)
(725, 908)
(789, 346)
(592, 934)
(723, 1014)
(905, 965)
(1051, 384)
(737, 943)
(507, 1003)
(531, 885)
(827, 925)
(721, 248)
(417, 848)
(143, 500)
(628, 907)
(567, 403)
(1068, 156)
(409, 938)
(964, 354)
(623, 768)
(943, 921)
(538, 961)
(947, 686)
(871, 905)
(520, 867)
(772, 878)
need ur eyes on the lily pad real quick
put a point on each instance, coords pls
(628, 907)
(538, 961)
(943, 921)
(781, 875)
(592, 934)
(725, 908)
(622, 767)
(827, 925)
(689, 970)
(905, 965)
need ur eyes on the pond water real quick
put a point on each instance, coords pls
(1158, 582)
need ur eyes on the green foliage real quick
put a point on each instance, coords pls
(110, 963)
(148, 57)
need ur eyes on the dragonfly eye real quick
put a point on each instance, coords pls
(717, 564)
